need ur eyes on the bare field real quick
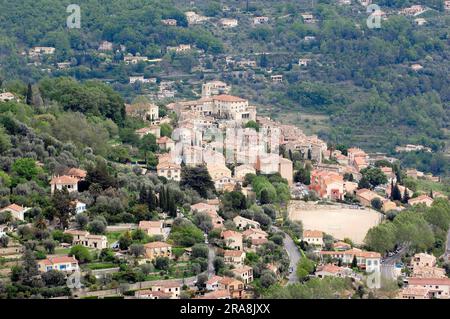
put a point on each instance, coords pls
(340, 221)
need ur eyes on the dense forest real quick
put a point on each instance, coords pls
(359, 80)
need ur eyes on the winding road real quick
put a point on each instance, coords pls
(293, 254)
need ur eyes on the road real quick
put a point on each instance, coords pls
(388, 264)
(395, 258)
(293, 253)
(447, 247)
(211, 256)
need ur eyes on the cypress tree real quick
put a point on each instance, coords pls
(391, 197)
(29, 94)
(354, 262)
(405, 196)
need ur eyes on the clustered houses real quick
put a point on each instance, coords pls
(84, 238)
(198, 139)
(329, 185)
(426, 288)
(426, 280)
(424, 266)
(232, 239)
(225, 288)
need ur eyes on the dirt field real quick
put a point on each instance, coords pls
(337, 220)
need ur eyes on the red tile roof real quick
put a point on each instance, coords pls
(233, 253)
(312, 234)
(63, 180)
(228, 98)
(13, 207)
(428, 281)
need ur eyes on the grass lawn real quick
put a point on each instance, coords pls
(62, 251)
(426, 186)
(113, 236)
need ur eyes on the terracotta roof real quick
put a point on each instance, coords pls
(157, 244)
(167, 165)
(242, 269)
(229, 280)
(163, 140)
(415, 291)
(233, 253)
(360, 160)
(214, 279)
(420, 198)
(221, 293)
(59, 260)
(259, 241)
(146, 224)
(429, 281)
(312, 234)
(77, 172)
(341, 244)
(330, 268)
(251, 231)
(228, 98)
(230, 233)
(63, 180)
(13, 207)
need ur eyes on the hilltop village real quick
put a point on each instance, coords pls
(222, 150)
(243, 231)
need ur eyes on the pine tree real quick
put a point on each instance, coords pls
(30, 94)
(431, 194)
